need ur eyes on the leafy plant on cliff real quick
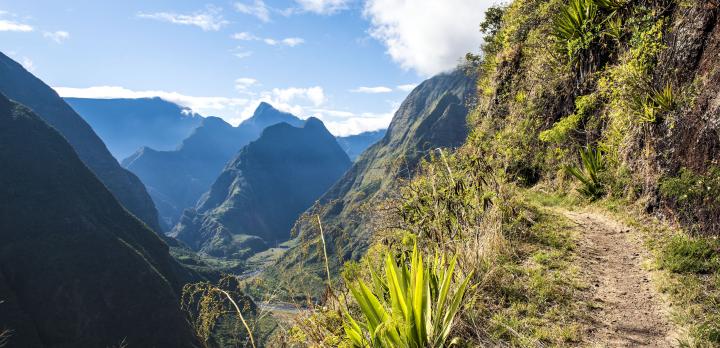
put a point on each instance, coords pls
(411, 306)
(589, 173)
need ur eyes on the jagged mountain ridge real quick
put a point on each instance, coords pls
(76, 269)
(20, 85)
(262, 191)
(126, 125)
(176, 179)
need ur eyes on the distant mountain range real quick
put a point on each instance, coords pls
(76, 269)
(20, 85)
(126, 125)
(263, 190)
(432, 116)
(354, 145)
(176, 179)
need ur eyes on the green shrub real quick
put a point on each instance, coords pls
(685, 254)
(592, 165)
(696, 197)
(409, 307)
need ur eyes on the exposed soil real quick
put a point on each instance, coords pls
(627, 311)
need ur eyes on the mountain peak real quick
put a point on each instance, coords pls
(262, 108)
(314, 122)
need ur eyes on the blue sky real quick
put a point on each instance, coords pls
(348, 62)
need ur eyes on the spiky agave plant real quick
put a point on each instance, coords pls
(592, 164)
(411, 307)
(578, 31)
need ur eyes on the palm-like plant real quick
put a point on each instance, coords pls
(574, 20)
(592, 164)
(411, 307)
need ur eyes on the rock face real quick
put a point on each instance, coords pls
(354, 145)
(176, 179)
(432, 116)
(20, 85)
(263, 190)
(76, 269)
(126, 125)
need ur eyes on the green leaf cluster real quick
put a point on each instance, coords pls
(589, 174)
(411, 306)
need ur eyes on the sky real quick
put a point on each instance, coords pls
(348, 62)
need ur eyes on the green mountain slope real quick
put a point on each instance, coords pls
(176, 179)
(432, 116)
(76, 269)
(20, 85)
(257, 198)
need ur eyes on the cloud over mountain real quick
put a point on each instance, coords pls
(427, 36)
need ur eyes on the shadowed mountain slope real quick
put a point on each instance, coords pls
(20, 85)
(76, 269)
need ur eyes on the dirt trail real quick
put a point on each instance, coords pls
(631, 313)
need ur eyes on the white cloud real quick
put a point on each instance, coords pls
(243, 54)
(315, 95)
(57, 36)
(245, 36)
(290, 41)
(324, 7)
(407, 88)
(6, 25)
(257, 8)
(302, 102)
(428, 36)
(210, 19)
(243, 83)
(354, 123)
(372, 90)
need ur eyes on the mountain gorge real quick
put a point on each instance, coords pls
(126, 125)
(20, 85)
(258, 196)
(560, 188)
(176, 179)
(76, 269)
(432, 116)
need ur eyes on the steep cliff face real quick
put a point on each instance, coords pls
(636, 80)
(20, 85)
(263, 190)
(433, 116)
(76, 269)
(176, 179)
